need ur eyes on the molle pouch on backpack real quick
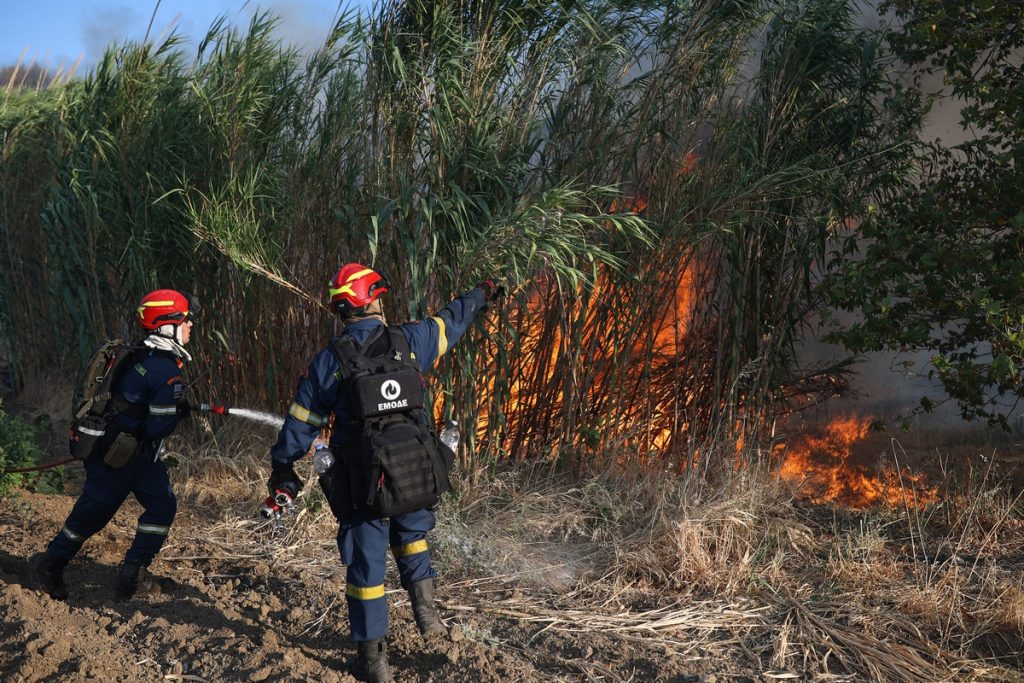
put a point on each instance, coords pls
(85, 437)
(407, 467)
(446, 458)
(342, 483)
(334, 484)
(385, 393)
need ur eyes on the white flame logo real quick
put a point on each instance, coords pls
(390, 390)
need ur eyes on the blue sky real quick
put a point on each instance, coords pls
(56, 32)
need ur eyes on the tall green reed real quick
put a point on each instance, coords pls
(447, 142)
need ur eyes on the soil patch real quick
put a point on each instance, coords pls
(248, 619)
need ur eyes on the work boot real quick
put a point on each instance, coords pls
(127, 581)
(428, 621)
(134, 579)
(47, 574)
(372, 661)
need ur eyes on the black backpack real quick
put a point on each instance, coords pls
(93, 404)
(393, 461)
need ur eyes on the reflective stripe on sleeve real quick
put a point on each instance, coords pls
(442, 335)
(305, 415)
(413, 548)
(162, 410)
(364, 593)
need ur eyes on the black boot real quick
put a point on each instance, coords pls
(127, 581)
(47, 574)
(372, 661)
(428, 621)
(133, 579)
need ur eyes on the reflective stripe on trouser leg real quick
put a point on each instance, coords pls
(152, 488)
(363, 544)
(407, 534)
(87, 517)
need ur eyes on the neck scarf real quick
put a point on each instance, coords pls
(156, 341)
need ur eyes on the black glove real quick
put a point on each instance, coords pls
(492, 289)
(184, 410)
(280, 475)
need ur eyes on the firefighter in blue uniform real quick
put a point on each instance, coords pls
(148, 406)
(364, 537)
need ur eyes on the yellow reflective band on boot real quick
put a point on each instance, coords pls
(413, 548)
(364, 593)
(442, 335)
(153, 529)
(304, 415)
(71, 534)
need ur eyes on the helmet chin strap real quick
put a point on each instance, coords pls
(172, 332)
(166, 337)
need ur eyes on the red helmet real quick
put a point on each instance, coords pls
(355, 286)
(163, 307)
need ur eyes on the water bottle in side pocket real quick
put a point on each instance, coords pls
(450, 436)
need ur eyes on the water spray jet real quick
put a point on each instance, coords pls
(255, 415)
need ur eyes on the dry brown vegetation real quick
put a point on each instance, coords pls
(741, 578)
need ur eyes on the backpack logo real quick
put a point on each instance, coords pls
(390, 390)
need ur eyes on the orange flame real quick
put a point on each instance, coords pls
(826, 470)
(821, 464)
(649, 428)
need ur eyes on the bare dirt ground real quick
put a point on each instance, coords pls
(246, 619)
(572, 580)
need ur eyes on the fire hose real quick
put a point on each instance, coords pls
(199, 408)
(37, 468)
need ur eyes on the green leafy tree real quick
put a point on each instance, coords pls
(939, 265)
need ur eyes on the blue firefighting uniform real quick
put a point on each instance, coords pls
(151, 385)
(363, 538)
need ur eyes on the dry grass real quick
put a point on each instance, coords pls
(803, 591)
(739, 571)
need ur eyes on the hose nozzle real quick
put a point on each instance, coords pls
(212, 408)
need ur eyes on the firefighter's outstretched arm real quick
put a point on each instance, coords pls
(429, 339)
